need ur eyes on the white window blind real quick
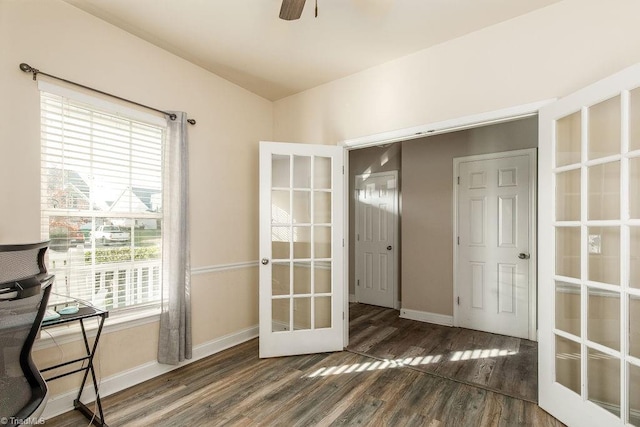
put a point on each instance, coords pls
(101, 203)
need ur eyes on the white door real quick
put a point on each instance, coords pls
(494, 201)
(376, 239)
(589, 222)
(301, 249)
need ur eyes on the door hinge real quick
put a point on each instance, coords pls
(358, 282)
(343, 315)
(343, 170)
(358, 237)
(458, 300)
(343, 243)
(458, 239)
(458, 180)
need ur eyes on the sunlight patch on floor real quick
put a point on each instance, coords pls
(481, 354)
(410, 361)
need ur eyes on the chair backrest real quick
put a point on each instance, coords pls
(24, 292)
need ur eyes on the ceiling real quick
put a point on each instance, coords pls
(246, 43)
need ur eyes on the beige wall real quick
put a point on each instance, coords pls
(62, 40)
(545, 54)
(427, 206)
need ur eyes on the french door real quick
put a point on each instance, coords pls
(301, 293)
(589, 262)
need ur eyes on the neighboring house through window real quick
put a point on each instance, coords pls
(101, 199)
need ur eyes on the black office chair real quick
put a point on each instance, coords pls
(24, 292)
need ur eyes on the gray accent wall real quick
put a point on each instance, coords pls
(427, 206)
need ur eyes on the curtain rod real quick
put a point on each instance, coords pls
(29, 69)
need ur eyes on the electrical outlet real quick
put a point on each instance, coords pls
(595, 244)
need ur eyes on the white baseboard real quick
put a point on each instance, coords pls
(425, 316)
(64, 402)
(352, 298)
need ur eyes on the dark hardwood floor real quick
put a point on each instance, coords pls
(236, 388)
(494, 362)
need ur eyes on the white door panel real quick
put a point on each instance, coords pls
(376, 239)
(494, 247)
(301, 292)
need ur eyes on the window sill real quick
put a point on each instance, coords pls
(72, 332)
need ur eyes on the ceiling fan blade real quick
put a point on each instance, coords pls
(291, 9)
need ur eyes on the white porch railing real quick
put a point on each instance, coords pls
(109, 285)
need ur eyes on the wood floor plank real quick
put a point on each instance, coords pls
(318, 410)
(337, 410)
(466, 406)
(483, 372)
(398, 417)
(391, 385)
(439, 392)
(372, 339)
(360, 412)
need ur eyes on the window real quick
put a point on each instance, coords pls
(101, 200)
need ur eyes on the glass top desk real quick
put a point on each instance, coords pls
(85, 363)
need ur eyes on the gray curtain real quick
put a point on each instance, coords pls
(174, 344)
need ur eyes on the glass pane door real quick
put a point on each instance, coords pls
(301, 290)
(301, 223)
(594, 168)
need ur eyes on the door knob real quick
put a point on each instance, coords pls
(522, 255)
(389, 247)
(265, 261)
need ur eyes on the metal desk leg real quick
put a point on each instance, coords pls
(98, 420)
